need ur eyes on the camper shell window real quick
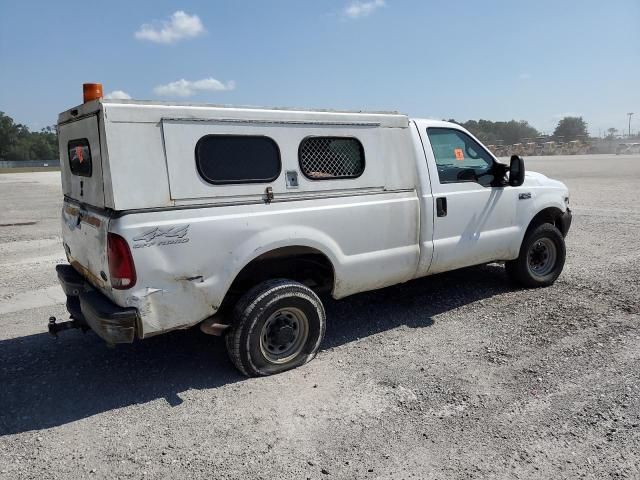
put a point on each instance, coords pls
(327, 158)
(80, 157)
(228, 159)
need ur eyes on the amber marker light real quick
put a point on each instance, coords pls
(91, 91)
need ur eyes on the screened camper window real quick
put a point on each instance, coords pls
(80, 157)
(225, 159)
(326, 158)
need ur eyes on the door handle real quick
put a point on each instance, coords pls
(441, 206)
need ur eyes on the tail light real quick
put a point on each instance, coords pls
(121, 268)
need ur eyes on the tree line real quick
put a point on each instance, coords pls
(515, 131)
(17, 142)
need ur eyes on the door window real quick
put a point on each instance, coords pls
(459, 158)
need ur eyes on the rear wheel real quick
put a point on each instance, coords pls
(541, 259)
(278, 325)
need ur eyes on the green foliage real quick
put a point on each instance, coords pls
(510, 132)
(570, 128)
(18, 143)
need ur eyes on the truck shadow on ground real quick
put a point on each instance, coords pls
(46, 383)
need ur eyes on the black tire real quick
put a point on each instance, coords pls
(541, 259)
(266, 318)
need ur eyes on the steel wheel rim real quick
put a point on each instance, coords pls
(542, 256)
(284, 334)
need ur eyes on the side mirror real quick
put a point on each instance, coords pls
(516, 171)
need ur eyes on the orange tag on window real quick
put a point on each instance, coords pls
(79, 154)
(459, 154)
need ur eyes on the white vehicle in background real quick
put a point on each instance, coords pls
(236, 219)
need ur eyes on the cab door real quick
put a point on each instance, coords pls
(474, 219)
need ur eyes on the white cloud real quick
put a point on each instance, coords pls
(118, 95)
(187, 88)
(524, 76)
(360, 9)
(180, 25)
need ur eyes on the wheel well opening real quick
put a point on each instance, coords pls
(301, 264)
(550, 215)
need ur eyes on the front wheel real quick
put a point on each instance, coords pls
(278, 325)
(541, 259)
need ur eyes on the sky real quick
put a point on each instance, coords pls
(497, 60)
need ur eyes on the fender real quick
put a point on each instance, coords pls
(265, 241)
(542, 199)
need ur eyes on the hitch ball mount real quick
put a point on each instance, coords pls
(55, 327)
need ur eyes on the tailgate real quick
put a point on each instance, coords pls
(84, 233)
(81, 160)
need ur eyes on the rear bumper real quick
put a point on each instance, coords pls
(565, 222)
(87, 306)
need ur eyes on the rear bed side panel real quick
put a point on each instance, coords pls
(187, 259)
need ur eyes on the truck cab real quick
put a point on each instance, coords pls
(239, 220)
(479, 215)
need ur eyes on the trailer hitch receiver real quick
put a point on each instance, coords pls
(55, 327)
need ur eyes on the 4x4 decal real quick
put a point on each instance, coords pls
(158, 236)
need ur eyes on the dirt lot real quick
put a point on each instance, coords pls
(454, 376)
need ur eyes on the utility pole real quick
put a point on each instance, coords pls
(630, 113)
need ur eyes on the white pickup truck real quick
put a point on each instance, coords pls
(236, 219)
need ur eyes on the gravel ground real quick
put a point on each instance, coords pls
(455, 376)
